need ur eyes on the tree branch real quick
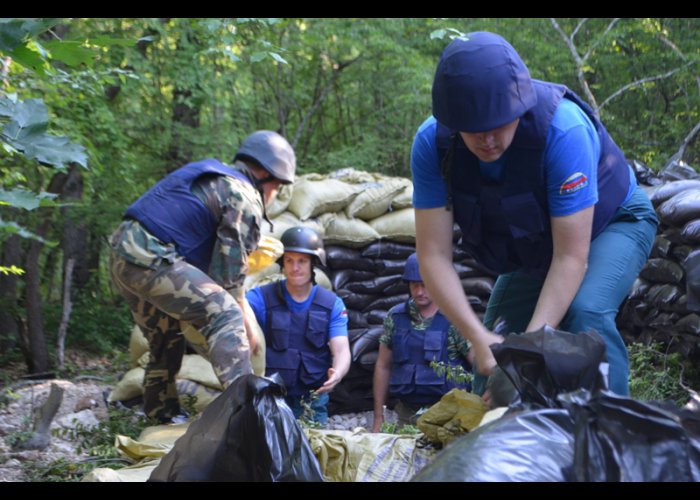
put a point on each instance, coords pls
(600, 38)
(636, 83)
(65, 317)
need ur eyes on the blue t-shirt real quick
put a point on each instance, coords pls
(570, 158)
(338, 326)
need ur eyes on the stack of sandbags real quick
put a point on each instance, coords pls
(658, 308)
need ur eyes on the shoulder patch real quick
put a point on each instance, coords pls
(573, 183)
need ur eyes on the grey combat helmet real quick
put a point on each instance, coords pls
(272, 152)
(304, 240)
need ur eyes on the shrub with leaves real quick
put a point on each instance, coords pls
(656, 375)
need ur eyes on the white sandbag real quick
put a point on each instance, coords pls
(281, 201)
(260, 278)
(198, 369)
(138, 344)
(353, 233)
(397, 226)
(287, 219)
(375, 199)
(313, 198)
(129, 387)
(352, 176)
(404, 199)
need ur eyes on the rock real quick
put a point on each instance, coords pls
(86, 418)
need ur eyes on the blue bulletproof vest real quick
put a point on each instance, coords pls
(412, 379)
(297, 342)
(505, 225)
(173, 214)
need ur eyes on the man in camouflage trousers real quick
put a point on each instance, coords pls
(181, 254)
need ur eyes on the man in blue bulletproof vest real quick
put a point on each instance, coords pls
(415, 334)
(305, 326)
(542, 194)
(181, 254)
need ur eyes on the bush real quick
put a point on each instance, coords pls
(656, 375)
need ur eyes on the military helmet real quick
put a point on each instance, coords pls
(304, 240)
(272, 152)
(481, 84)
(412, 272)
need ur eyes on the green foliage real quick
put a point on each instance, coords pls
(98, 440)
(656, 375)
(63, 470)
(96, 325)
(391, 428)
(452, 372)
(307, 415)
(24, 434)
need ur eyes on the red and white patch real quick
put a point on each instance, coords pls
(573, 183)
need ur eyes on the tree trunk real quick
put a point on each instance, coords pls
(9, 316)
(65, 317)
(38, 359)
(75, 233)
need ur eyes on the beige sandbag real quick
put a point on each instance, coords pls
(457, 413)
(360, 456)
(397, 226)
(313, 198)
(352, 176)
(404, 199)
(375, 199)
(129, 387)
(261, 277)
(137, 345)
(353, 233)
(269, 250)
(281, 201)
(189, 391)
(322, 279)
(287, 219)
(199, 343)
(198, 369)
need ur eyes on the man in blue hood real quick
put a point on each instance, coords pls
(542, 194)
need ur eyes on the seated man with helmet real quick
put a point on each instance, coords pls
(305, 326)
(415, 334)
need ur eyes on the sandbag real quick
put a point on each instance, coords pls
(267, 275)
(388, 250)
(356, 319)
(355, 333)
(353, 176)
(691, 232)
(677, 170)
(688, 324)
(404, 199)
(681, 208)
(368, 359)
(399, 287)
(376, 317)
(457, 413)
(639, 289)
(386, 303)
(138, 344)
(341, 230)
(357, 301)
(341, 257)
(388, 267)
(374, 199)
(269, 250)
(397, 226)
(191, 392)
(663, 296)
(692, 270)
(281, 223)
(661, 246)
(247, 434)
(129, 387)
(662, 271)
(311, 197)
(374, 286)
(366, 343)
(342, 276)
(671, 189)
(478, 286)
(281, 201)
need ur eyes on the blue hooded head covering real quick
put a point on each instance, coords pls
(481, 84)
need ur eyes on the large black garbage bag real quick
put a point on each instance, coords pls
(520, 446)
(548, 362)
(248, 433)
(622, 439)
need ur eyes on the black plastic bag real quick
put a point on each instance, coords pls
(248, 433)
(548, 362)
(622, 439)
(520, 446)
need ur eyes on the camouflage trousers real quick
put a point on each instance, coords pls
(159, 299)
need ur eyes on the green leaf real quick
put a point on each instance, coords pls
(27, 200)
(29, 59)
(10, 228)
(30, 117)
(440, 34)
(278, 58)
(72, 53)
(56, 151)
(106, 41)
(258, 56)
(11, 34)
